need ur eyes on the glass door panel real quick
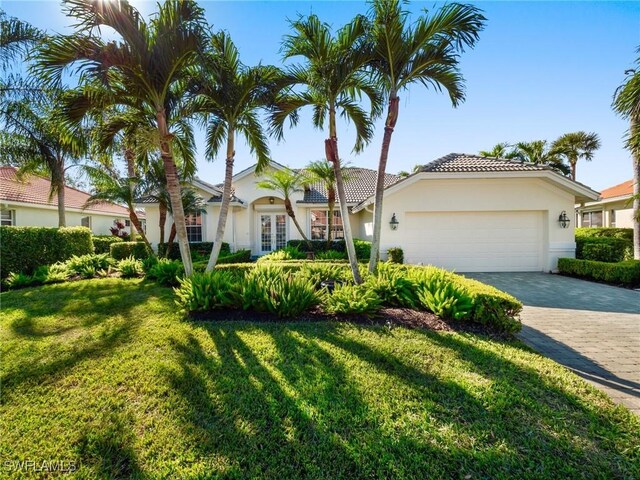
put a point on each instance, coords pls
(281, 231)
(265, 233)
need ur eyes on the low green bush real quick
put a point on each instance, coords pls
(130, 267)
(352, 299)
(393, 287)
(198, 249)
(624, 233)
(122, 250)
(166, 272)
(322, 272)
(20, 280)
(396, 255)
(442, 295)
(269, 288)
(605, 249)
(625, 273)
(239, 257)
(209, 291)
(89, 266)
(331, 255)
(23, 249)
(362, 247)
(102, 243)
(286, 253)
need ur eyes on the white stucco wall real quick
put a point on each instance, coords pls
(623, 212)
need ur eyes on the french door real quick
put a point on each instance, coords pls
(272, 232)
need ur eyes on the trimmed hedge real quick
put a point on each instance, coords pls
(102, 243)
(363, 248)
(23, 249)
(122, 250)
(603, 249)
(625, 273)
(240, 256)
(199, 248)
(596, 232)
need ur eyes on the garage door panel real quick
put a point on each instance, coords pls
(475, 241)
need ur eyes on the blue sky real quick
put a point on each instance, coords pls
(540, 69)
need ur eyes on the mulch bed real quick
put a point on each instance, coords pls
(391, 317)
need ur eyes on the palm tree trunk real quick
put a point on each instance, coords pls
(131, 173)
(135, 222)
(173, 188)
(226, 200)
(172, 237)
(392, 117)
(163, 221)
(331, 201)
(331, 151)
(57, 181)
(62, 221)
(635, 155)
(291, 213)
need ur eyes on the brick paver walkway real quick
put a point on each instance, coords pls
(592, 329)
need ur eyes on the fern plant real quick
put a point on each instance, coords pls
(438, 294)
(208, 291)
(166, 272)
(352, 299)
(130, 267)
(393, 286)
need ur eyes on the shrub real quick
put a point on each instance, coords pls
(439, 293)
(396, 255)
(239, 257)
(56, 273)
(268, 288)
(20, 280)
(352, 299)
(210, 290)
(621, 273)
(23, 249)
(331, 255)
(130, 267)
(89, 266)
(148, 263)
(198, 249)
(166, 272)
(286, 253)
(321, 272)
(102, 243)
(624, 233)
(363, 248)
(122, 250)
(608, 249)
(393, 287)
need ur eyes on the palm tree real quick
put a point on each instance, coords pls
(427, 52)
(626, 103)
(286, 182)
(539, 153)
(110, 187)
(576, 145)
(140, 69)
(500, 150)
(332, 80)
(230, 96)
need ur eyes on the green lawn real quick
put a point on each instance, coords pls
(107, 374)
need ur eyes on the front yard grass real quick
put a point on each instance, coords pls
(107, 374)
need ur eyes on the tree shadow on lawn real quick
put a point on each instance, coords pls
(48, 319)
(302, 413)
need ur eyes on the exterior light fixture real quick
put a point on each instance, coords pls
(394, 222)
(563, 219)
(272, 200)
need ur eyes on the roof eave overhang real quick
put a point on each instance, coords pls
(47, 206)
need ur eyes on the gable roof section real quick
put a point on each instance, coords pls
(360, 186)
(34, 190)
(621, 190)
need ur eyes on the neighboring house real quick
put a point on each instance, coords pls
(25, 203)
(461, 212)
(614, 209)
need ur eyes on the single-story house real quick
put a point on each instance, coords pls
(461, 212)
(25, 203)
(613, 209)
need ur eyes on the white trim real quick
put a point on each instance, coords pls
(207, 187)
(252, 170)
(10, 204)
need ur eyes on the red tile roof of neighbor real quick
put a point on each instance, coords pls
(625, 188)
(34, 189)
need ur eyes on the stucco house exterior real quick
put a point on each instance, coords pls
(613, 209)
(25, 203)
(461, 212)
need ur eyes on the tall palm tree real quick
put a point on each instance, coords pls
(500, 150)
(539, 153)
(626, 103)
(285, 182)
(230, 95)
(140, 68)
(576, 145)
(426, 52)
(332, 79)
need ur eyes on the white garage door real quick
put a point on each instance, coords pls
(475, 241)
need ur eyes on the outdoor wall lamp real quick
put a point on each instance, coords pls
(272, 200)
(563, 219)
(394, 222)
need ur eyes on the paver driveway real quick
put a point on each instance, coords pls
(592, 329)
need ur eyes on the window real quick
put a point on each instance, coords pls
(127, 223)
(320, 223)
(194, 227)
(592, 219)
(86, 222)
(612, 218)
(8, 217)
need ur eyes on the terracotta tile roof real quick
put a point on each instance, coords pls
(35, 190)
(360, 186)
(462, 162)
(625, 188)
